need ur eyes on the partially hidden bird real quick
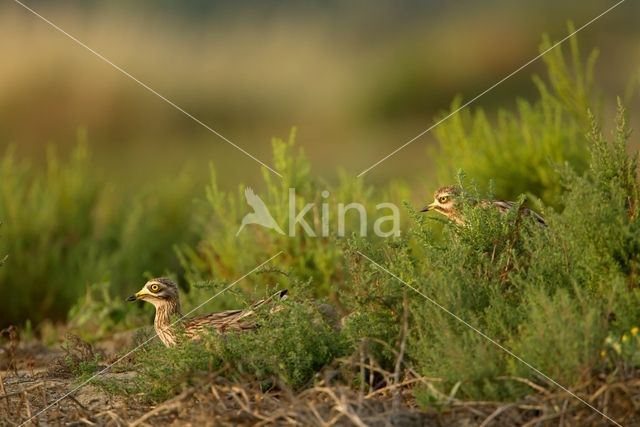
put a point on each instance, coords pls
(163, 294)
(260, 214)
(447, 201)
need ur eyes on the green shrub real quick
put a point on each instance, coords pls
(65, 228)
(548, 294)
(291, 345)
(49, 233)
(224, 255)
(78, 359)
(519, 150)
(153, 222)
(589, 259)
(162, 372)
(561, 335)
(374, 302)
(98, 312)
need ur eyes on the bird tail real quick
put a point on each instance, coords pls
(275, 298)
(249, 312)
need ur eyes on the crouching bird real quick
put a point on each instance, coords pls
(448, 202)
(163, 294)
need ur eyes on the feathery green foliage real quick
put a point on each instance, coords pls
(519, 149)
(162, 372)
(65, 229)
(289, 347)
(292, 345)
(48, 231)
(222, 254)
(547, 294)
(555, 296)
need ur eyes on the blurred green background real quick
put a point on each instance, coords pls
(357, 79)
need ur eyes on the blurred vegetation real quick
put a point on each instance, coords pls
(222, 254)
(357, 78)
(66, 229)
(519, 150)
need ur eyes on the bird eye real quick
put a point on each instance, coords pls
(154, 288)
(443, 199)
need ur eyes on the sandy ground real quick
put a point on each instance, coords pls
(35, 390)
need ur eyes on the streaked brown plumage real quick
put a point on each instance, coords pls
(447, 202)
(163, 294)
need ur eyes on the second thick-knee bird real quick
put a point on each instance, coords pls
(448, 202)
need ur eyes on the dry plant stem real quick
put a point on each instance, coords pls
(529, 383)
(371, 371)
(393, 387)
(565, 405)
(494, 414)
(373, 367)
(46, 384)
(114, 417)
(26, 404)
(270, 420)
(215, 394)
(166, 406)
(454, 391)
(244, 404)
(315, 412)
(4, 393)
(362, 369)
(84, 408)
(343, 407)
(540, 420)
(44, 395)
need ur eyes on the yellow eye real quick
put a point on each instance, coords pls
(154, 288)
(443, 199)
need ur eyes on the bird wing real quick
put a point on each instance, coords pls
(278, 296)
(196, 325)
(229, 320)
(539, 219)
(502, 205)
(505, 206)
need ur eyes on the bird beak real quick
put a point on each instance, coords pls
(427, 208)
(142, 292)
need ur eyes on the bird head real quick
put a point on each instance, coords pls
(445, 202)
(159, 292)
